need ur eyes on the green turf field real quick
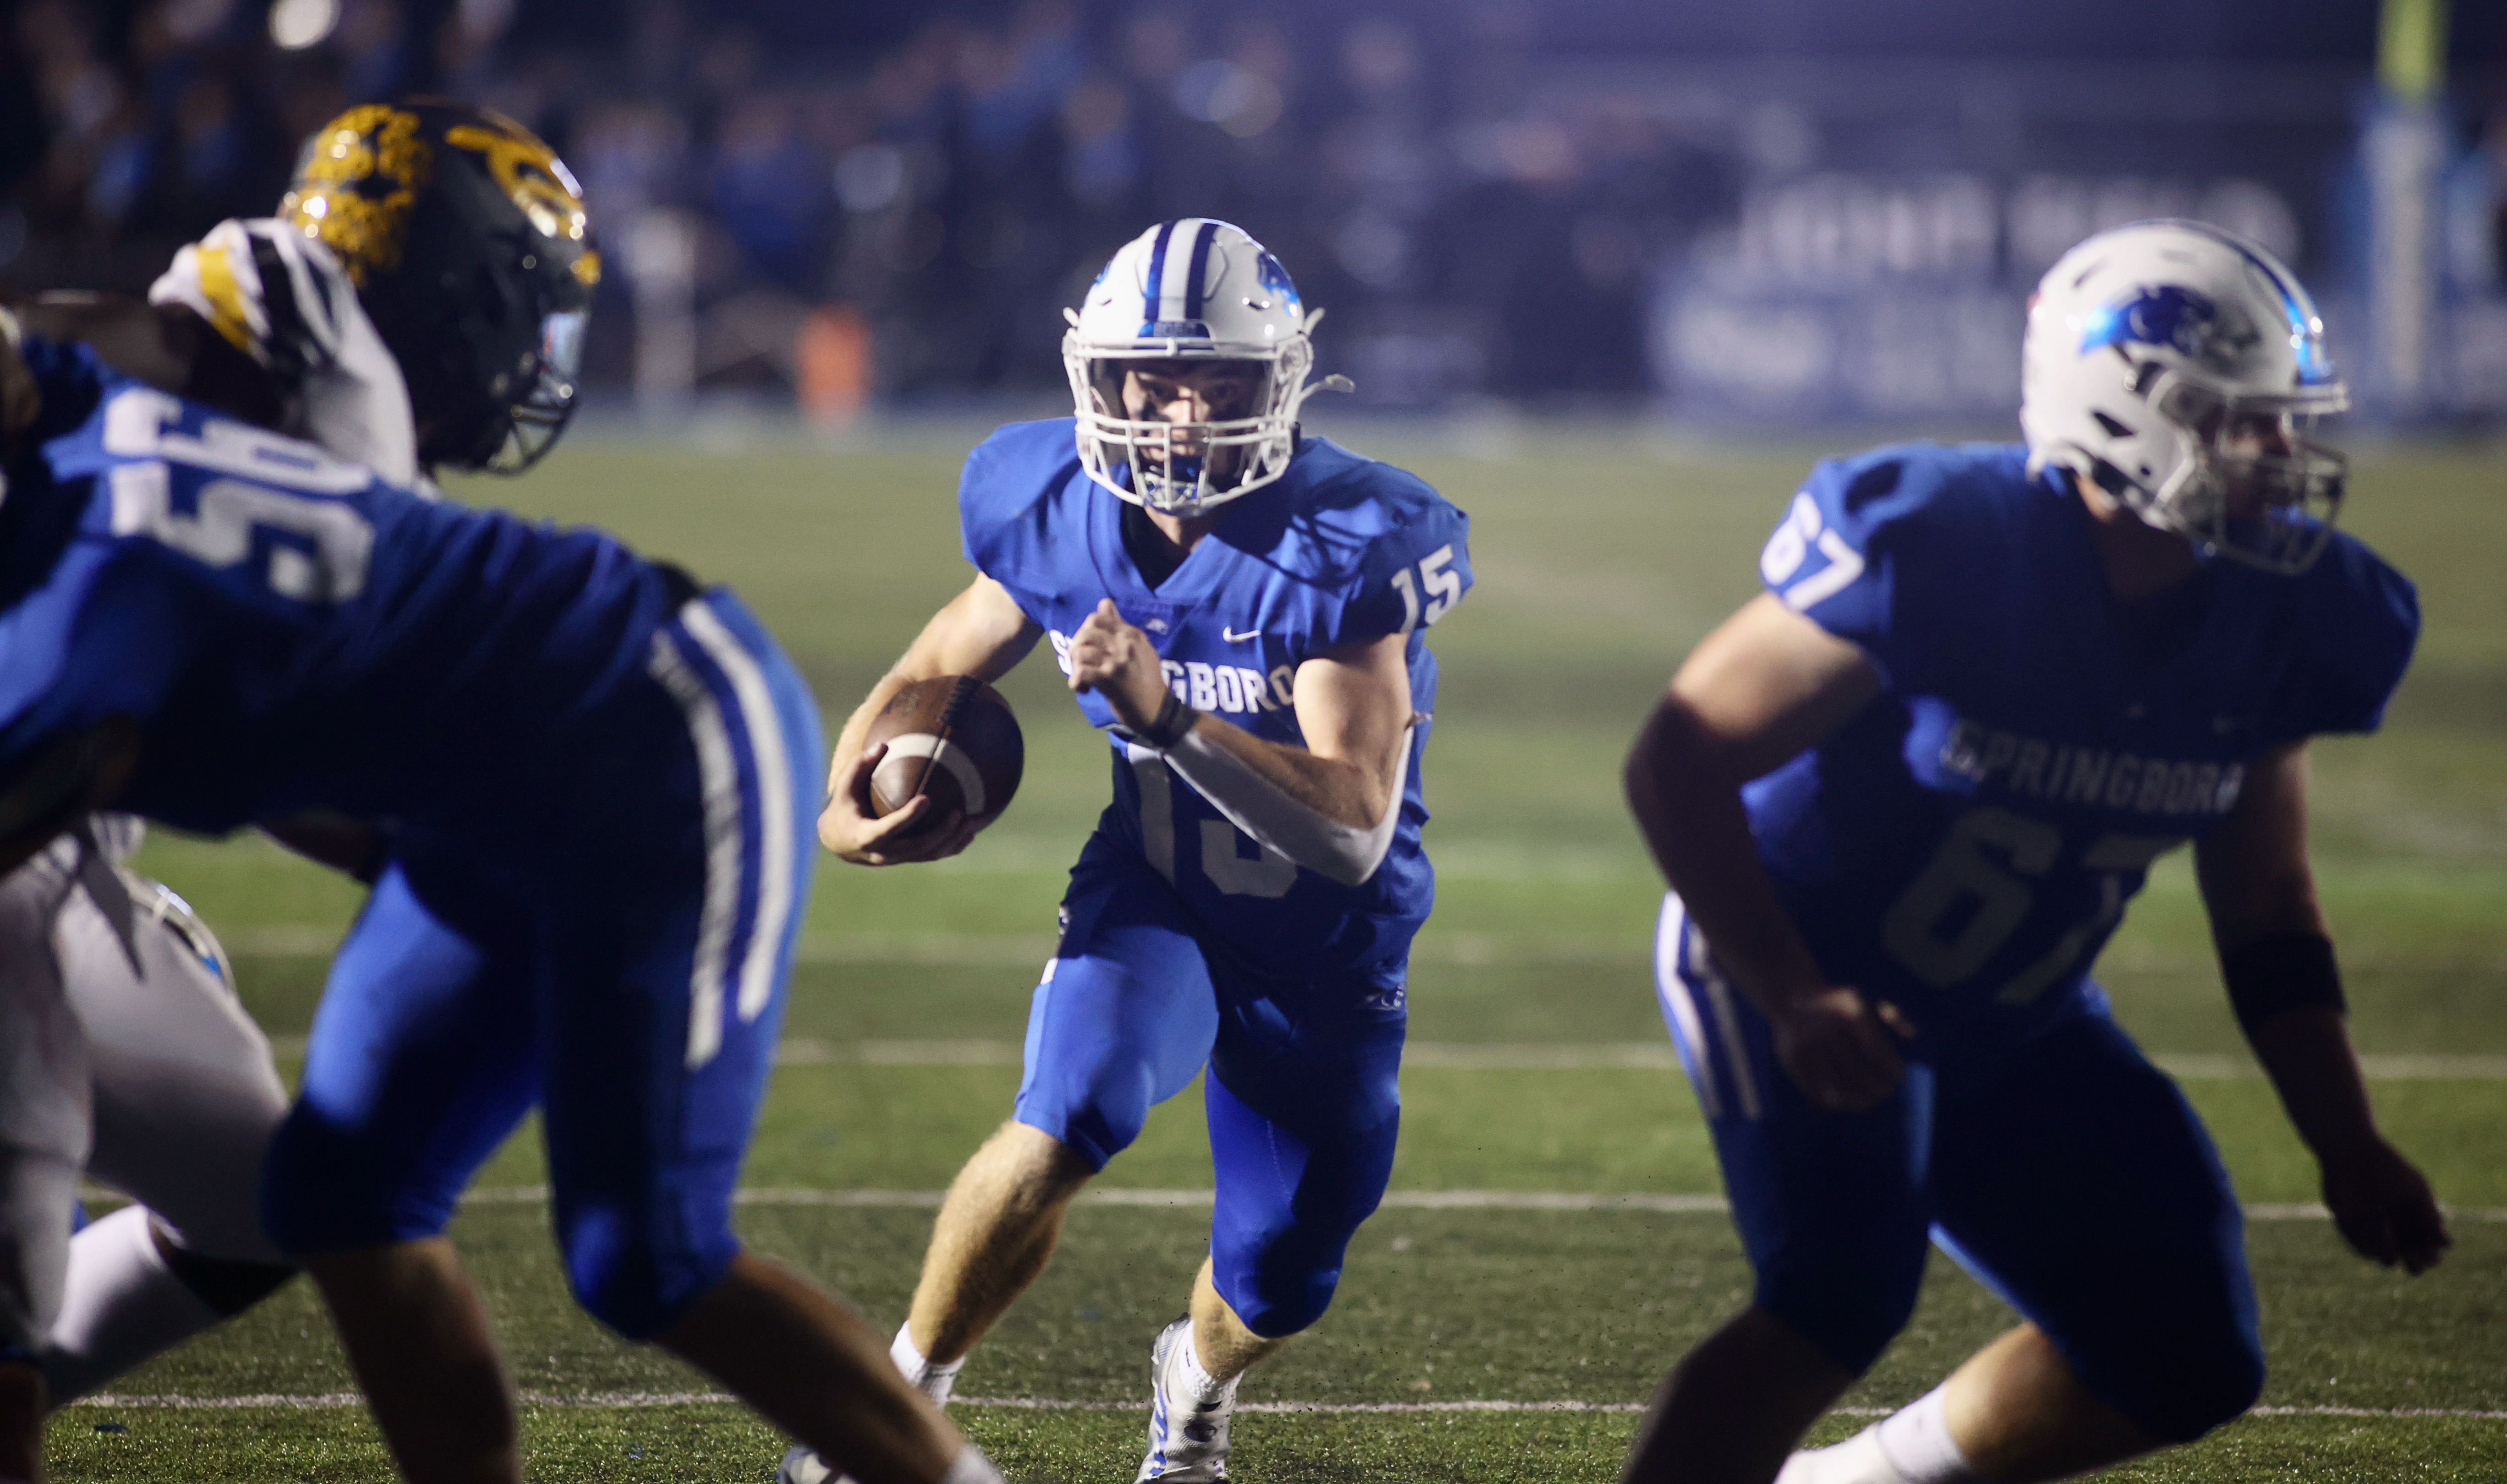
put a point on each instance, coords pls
(1545, 1253)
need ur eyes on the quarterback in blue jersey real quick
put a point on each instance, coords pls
(1902, 798)
(588, 767)
(1243, 611)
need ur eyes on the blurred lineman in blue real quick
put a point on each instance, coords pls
(134, 1049)
(1902, 798)
(595, 851)
(1243, 611)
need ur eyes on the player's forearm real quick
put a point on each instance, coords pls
(1333, 816)
(2306, 1054)
(1689, 812)
(1342, 791)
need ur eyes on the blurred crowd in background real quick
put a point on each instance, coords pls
(893, 202)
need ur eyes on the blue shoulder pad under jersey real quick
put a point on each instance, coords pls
(1004, 484)
(1888, 541)
(1399, 551)
(2356, 620)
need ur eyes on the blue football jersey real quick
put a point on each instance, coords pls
(291, 633)
(1340, 550)
(1966, 844)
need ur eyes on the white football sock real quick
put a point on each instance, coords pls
(121, 1305)
(933, 1381)
(1917, 1440)
(1911, 1445)
(1196, 1379)
(971, 1467)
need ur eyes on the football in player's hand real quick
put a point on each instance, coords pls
(952, 739)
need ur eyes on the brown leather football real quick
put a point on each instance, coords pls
(953, 738)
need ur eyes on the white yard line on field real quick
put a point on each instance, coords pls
(1442, 947)
(1394, 1200)
(634, 1400)
(1552, 1056)
(1016, 950)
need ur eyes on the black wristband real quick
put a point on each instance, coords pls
(2281, 972)
(1174, 719)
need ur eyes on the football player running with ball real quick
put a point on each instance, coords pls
(1243, 611)
(1902, 798)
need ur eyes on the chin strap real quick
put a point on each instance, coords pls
(1281, 824)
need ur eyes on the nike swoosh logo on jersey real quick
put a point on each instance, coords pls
(1234, 637)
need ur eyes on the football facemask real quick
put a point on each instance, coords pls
(2254, 489)
(1195, 290)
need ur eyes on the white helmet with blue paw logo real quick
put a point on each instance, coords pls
(1187, 364)
(2177, 366)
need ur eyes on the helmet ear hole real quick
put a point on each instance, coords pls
(2114, 428)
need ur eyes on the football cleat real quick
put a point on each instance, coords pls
(1187, 1434)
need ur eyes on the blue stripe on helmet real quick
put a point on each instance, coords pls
(1194, 293)
(1149, 291)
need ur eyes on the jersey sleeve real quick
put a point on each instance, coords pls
(1000, 491)
(2357, 622)
(1410, 576)
(284, 300)
(1846, 554)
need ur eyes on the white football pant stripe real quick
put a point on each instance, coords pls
(718, 784)
(1697, 1056)
(1727, 1024)
(1680, 958)
(765, 728)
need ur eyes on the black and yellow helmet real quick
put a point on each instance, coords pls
(468, 243)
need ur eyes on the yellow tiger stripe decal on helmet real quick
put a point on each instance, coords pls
(358, 179)
(529, 172)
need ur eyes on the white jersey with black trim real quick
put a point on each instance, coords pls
(282, 299)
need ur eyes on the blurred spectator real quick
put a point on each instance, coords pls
(769, 190)
(905, 211)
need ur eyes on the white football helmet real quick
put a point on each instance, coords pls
(1194, 289)
(2175, 366)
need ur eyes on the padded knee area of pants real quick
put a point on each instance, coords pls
(2184, 1384)
(634, 1279)
(1284, 1286)
(1097, 1116)
(1291, 1197)
(321, 1191)
(1849, 1302)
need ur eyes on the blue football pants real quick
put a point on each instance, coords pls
(2064, 1172)
(1302, 1094)
(628, 981)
